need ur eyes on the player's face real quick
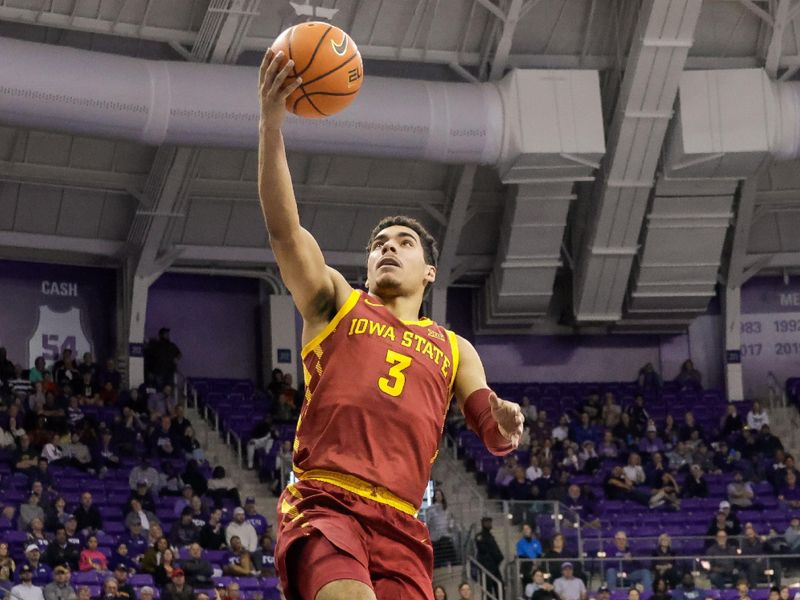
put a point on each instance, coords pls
(396, 263)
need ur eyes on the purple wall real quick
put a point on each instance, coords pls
(213, 320)
(48, 307)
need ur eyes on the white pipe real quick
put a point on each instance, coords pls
(156, 102)
(785, 138)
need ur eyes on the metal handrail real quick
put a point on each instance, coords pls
(483, 578)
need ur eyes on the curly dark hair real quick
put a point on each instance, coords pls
(429, 246)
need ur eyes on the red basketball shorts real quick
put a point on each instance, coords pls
(326, 533)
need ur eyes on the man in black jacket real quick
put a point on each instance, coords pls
(198, 570)
(489, 554)
(89, 519)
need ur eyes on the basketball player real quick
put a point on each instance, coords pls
(378, 384)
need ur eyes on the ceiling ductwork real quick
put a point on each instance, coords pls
(729, 124)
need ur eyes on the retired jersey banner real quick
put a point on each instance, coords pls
(49, 308)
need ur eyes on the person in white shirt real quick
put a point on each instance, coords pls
(26, 590)
(534, 471)
(561, 431)
(757, 417)
(633, 470)
(569, 587)
(244, 530)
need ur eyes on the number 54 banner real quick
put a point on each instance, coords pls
(56, 332)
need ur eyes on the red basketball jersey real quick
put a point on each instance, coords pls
(377, 393)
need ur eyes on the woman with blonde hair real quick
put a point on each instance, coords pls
(664, 565)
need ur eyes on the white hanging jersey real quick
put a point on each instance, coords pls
(55, 332)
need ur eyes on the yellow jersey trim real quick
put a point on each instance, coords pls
(422, 322)
(349, 304)
(454, 349)
(353, 484)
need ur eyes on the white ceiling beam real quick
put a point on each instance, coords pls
(61, 243)
(503, 49)
(775, 49)
(70, 177)
(259, 256)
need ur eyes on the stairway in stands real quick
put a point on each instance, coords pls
(219, 453)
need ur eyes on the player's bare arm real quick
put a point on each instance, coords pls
(471, 381)
(318, 290)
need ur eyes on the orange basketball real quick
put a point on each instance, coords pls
(328, 61)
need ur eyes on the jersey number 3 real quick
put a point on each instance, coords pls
(396, 381)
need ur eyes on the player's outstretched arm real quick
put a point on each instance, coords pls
(317, 289)
(497, 422)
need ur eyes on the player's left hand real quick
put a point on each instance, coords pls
(509, 418)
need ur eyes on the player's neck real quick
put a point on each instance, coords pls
(405, 308)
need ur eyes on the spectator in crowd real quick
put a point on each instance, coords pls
(161, 357)
(732, 524)
(695, 484)
(757, 417)
(220, 486)
(439, 593)
(212, 534)
(664, 563)
(252, 516)
(165, 567)
(184, 532)
(488, 552)
(464, 591)
(539, 588)
(611, 412)
(617, 486)
(651, 443)
(689, 378)
(722, 564)
(42, 574)
(529, 548)
(138, 515)
(581, 502)
(667, 492)
(263, 437)
(122, 559)
(751, 545)
(620, 556)
(639, 417)
(569, 587)
(740, 492)
(144, 496)
(768, 443)
(152, 558)
(60, 588)
(178, 588)
(648, 379)
(609, 447)
(198, 570)
(7, 565)
(61, 552)
(687, 589)
(239, 562)
(792, 534)
(440, 529)
(789, 492)
(660, 590)
(88, 516)
(25, 589)
(731, 423)
(30, 511)
(124, 588)
(240, 528)
(145, 473)
(264, 558)
(91, 558)
(136, 541)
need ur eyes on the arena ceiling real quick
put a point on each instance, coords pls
(81, 200)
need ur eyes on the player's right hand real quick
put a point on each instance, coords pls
(273, 88)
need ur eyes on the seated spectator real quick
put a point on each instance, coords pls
(153, 557)
(263, 437)
(190, 446)
(651, 443)
(722, 566)
(687, 590)
(200, 512)
(212, 534)
(124, 589)
(609, 447)
(528, 409)
(264, 558)
(695, 484)
(232, 592)
(655, 470)
(581, 502)
(539, 588)
(732, 525)
(633, 471)
(670, 435)
(185, 500)
(519, 488)
(611, 412)
(569, 587)
(198, 570)
(668, 492)
(162, 442)
(258, 521)
(184, 532)
(7, 564)
(25, 589)
(690, 428)
(166, 567)
(30, 511)
(144, 496)
(617, 487)
(528, 547)
(239, 563)
(41, 572)
(588, 459)
(583, 430)
(740, 492)
(561, 431)
(89, 519)
(751, 545)
(534, 470)
(540, 430)
(220, 486)
(193, 477)
(768, 444)
(122, 559)
(136, 541)
(731, 423)
(162, 404)
(110, 375)
(36, 534)
(440, 530)
(625, 431)
(84, 593)
(61, 552)
(554, 557)
(726, 459)
(639, 417)
(792, 535)
(60, 588)
(665, 566)
(620, 556)
(177, 588)
(91, 559)
(591, 407)
(648, 379)
(138, 514)
(689, 378)
(104, 454)
(757, 417)
(660, 590)
(243, 530)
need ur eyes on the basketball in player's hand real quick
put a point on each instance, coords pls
(329, 64)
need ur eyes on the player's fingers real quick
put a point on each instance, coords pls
(289, 89)
(262, 70)
(272, 68)
(277, 82)
(494, 401)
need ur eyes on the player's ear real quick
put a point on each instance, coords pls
(430, 273)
